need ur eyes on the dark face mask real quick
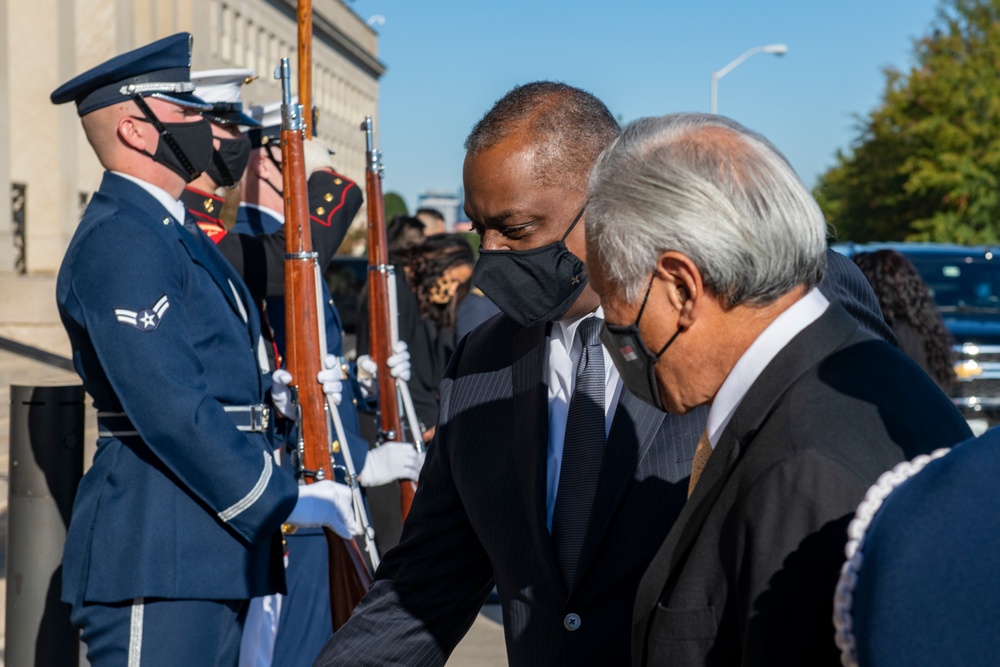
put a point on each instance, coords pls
(532, 286)
(634, 361)
(185, 148)
(229, 161)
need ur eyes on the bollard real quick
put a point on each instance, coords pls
(46, 463)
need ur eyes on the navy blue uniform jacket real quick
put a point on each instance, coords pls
(165, 331)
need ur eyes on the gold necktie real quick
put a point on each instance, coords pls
(701, 454)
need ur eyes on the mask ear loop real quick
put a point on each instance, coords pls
(165, 135)
(575, 220)
(642, 309)
(270, 156)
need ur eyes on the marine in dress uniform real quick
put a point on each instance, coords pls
(221, 88)
(176, 524)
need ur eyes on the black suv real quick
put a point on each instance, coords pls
(965, 284)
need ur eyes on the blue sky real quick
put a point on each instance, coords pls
(449, 60)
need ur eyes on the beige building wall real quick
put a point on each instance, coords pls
(43, 43)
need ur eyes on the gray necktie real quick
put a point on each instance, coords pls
(583, 451)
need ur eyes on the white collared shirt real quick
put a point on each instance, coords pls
(755, 359)
(174, 206)
(563, 352)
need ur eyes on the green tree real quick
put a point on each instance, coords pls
(926, 163)
(394, 205)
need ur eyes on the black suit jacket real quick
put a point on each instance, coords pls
(747, 573)
(479, 516)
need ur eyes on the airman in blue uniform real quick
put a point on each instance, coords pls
(176, 525)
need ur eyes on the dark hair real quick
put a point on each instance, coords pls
(425, 264)
(395, 232)
(904, 298)
(570, 127)
(433, 212)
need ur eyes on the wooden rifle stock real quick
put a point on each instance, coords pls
(349, 576)
(380, 309)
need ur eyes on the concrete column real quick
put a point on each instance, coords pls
(6, 236)
(46, 464)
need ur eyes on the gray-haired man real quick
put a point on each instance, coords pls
(706, 251)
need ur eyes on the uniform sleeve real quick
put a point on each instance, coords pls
(429, 589)
(260, 260)
(329, 232)
(158, 378)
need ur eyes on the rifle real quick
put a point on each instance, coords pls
(382, 318)
(349, 576)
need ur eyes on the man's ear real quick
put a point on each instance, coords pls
(134, 133)
(686, 291)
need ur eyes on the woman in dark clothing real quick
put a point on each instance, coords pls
(431, 278)
(910, 311)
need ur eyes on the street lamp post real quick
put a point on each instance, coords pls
(775, 49)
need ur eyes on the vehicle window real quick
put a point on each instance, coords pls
(961, 284)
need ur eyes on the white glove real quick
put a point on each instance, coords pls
(329, 377)
(280, 396)
(399, 363)
(391, 461)
(327, 504)
(399, 367)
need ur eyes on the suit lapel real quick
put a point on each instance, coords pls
(530, 434)
(803, 352)
(635, 425)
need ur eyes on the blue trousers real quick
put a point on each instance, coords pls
(304, 625)
(162, 633)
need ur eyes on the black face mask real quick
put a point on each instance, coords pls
(634, 361)
(532, 286)
(229, 161)
(185, 148)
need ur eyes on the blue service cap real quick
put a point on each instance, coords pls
(161, 69)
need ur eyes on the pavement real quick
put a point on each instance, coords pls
(483, 646)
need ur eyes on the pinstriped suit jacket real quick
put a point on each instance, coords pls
(479, 517)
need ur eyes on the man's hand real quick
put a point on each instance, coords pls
(390, 462)
(330, 377)
(399, 367)
(326, 504)
(281, 397)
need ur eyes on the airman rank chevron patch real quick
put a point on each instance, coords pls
(145, 320)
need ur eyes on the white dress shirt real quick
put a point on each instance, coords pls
(769, 343)
(563, 352)
(174, 206)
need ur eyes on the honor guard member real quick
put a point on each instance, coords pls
(303, 624)
(220, 88)
(176, 524)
